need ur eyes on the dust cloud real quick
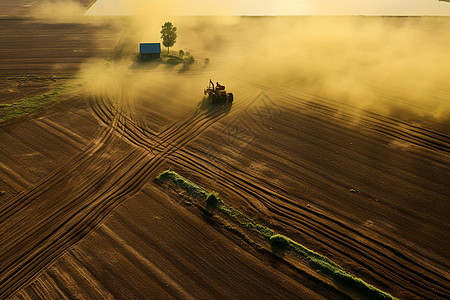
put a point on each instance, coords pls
(376, 63)
(388, 65)
(61, 10)
(168, 8)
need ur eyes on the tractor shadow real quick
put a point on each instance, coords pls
(214, 110)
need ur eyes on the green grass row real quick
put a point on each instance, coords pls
(315, 260)
(26, 105)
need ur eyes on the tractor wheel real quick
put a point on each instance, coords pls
(230, 97)
(213, 98)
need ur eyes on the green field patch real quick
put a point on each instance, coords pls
(317, 261)
(26, 105)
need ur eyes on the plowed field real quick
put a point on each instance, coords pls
(82, 217)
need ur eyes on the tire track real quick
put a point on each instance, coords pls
(105, 192)
(388, 126)
(334, 236)
(159, 275)
(20, 253)
(314, 225)
(81, 159)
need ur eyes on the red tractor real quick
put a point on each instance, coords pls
(217, 94)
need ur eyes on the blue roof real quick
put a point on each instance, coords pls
(146, 48)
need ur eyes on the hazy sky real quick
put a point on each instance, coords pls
(272, 7)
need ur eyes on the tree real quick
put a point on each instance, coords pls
(168, 35)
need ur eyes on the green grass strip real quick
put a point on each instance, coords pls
(26, 105)
(317, 261)
(183, 183)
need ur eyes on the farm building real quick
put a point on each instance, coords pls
(150, 51)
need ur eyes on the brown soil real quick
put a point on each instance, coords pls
(36, 57)
(15, 8)
(83, 218)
